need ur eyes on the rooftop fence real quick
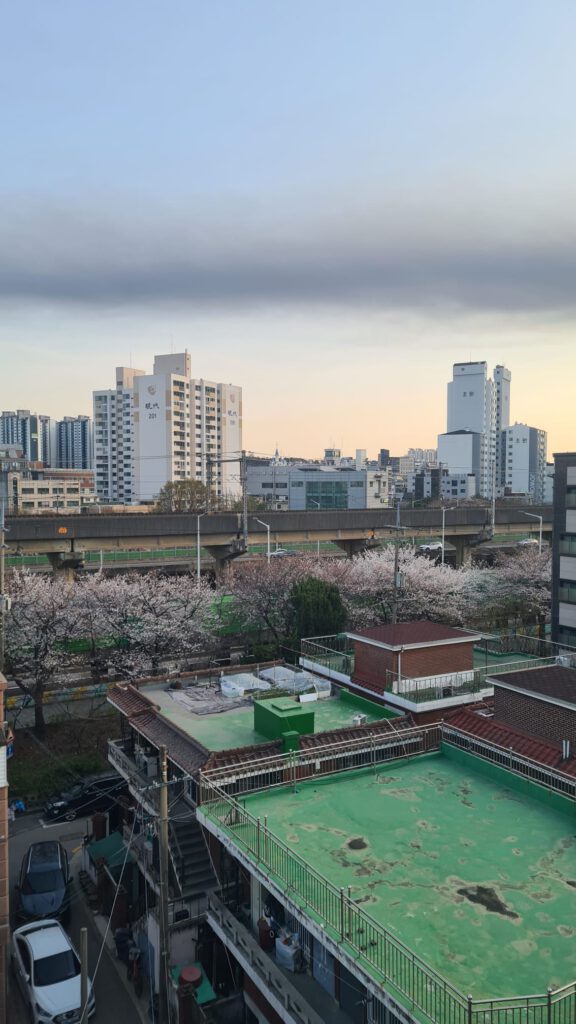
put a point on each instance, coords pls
(427, 993)
(333, 657)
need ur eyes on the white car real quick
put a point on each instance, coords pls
(47, 968)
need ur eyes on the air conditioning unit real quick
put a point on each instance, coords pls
(150, 766)
(565, 660)
(360, 719)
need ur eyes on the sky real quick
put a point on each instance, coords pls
(327, 202)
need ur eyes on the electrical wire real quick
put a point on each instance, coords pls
(105, 936)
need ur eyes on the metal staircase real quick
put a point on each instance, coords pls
(191, 863)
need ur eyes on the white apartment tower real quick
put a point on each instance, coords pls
(481, 405)
(114, 438)
(524, 461)
(165, 426)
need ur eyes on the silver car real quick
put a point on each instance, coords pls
(47, 968)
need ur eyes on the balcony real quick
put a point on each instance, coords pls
(138, 770)
(290, 995)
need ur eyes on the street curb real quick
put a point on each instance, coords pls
(100, 924)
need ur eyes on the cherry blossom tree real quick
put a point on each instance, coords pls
(147, 619)
(39, 625)
(520, 595)
(262, 595)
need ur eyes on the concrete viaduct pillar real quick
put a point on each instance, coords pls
(66, 563)
(358, 545)
(224, 555)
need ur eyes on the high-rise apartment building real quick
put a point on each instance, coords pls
(47, 438)
(480, 405)
(523, 460)
(114, 438)
(564, 550)
(73, 443)
(165, 426)
(22, 428)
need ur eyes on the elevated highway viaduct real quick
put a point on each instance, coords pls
(65, 539)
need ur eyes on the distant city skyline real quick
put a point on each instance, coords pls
(327, 204)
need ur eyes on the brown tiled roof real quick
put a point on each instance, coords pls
(553, 681)
(505, 736)
(405, 633)
(129, 700)
(240, 755)
(143, 715)
(320, 739)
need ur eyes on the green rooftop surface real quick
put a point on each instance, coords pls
(235, 728)
(479, 880)
(482, 658)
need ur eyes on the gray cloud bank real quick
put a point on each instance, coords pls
(400, 262)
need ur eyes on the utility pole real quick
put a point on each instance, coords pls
(164, 965)
(4, 603)
(493, 496)
(244, 484)
(398, 576)
(208, 482)
(83, 975)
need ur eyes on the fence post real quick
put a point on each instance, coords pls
(350, 913)
(258, 839)
(342, 929)
(469, 1011)
(549, 1005)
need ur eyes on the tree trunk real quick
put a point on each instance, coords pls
(39, 721)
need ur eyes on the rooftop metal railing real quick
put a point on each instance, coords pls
(384, 742)
(455, 684)
(425, 991)
(551, 778)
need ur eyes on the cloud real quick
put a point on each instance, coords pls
(391, 260)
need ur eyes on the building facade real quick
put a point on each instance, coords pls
(73, 443)
(22, 428)
(312, 487)
(49, 490)
(480, 405)
(564, 550)
(439, 483)
(166, 426)
(523, 461)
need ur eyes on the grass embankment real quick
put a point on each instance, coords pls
(73, 747)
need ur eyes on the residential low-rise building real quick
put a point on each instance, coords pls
(309, 486)
(327, 856)
(51, 490)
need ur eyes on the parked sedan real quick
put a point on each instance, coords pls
(47, 968)
(92, 794)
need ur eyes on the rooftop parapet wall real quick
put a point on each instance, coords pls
(337, 915)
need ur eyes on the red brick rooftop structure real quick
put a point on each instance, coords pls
(411, 650)
(540, 702)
